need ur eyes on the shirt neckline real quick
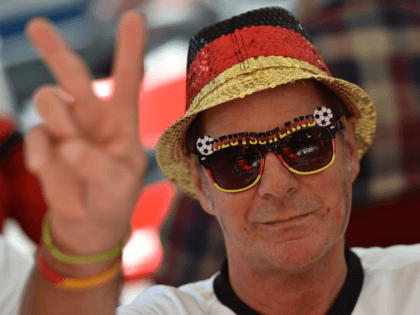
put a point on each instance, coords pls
(344, 305)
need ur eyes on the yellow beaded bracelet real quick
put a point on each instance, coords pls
(70, 259)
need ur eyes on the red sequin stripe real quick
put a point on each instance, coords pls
(222, 53)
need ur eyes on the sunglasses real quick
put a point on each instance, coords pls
(235, 162)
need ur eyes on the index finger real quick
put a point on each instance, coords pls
(129, 54)
(66, 66)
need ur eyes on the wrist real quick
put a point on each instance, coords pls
(85, 240)
(76, 270)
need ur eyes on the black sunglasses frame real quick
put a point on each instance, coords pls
(276, 147)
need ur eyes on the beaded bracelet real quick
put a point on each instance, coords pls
(75, 284)
(71, 259)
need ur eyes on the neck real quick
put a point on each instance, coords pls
(311, 290)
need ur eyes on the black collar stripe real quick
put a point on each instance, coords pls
(344, 305)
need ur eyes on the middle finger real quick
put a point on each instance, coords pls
(129, 54)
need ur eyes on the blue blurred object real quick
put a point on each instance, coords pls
(15, 16)
(89, 26)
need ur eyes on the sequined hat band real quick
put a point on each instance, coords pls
(237, 48)
(270, 32)
(273, 16)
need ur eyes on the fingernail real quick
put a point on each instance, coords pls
(47, 38)
(72, 152)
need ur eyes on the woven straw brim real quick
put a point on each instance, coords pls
(244, 79)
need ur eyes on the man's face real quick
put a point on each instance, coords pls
(319, 203)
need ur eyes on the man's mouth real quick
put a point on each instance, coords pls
(288, 219)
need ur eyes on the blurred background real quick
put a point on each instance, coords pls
(371, 43)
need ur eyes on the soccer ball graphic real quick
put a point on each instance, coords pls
(323, 116)
(204, 145)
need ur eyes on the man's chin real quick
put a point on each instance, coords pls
(298, 255)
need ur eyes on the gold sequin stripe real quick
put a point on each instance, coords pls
(279, 69)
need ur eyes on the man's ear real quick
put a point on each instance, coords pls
(199, 186)
(351, 144)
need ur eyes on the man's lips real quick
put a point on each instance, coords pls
(284, 220)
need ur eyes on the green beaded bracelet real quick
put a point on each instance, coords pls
(70, 259)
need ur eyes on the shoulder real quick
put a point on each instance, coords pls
(391, 282)
(389, 258)
(14, 271)
(193, 298)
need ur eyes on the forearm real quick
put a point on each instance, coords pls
(42, 297)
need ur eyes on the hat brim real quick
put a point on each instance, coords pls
(245, 79)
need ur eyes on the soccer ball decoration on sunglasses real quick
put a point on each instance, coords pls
(204, 145)
(323, 116)
(235, 162)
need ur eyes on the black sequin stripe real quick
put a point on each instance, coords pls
(272, 16)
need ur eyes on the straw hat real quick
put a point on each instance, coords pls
(247, 53)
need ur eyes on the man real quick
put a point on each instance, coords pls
(270, 145)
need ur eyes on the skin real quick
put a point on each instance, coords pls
(90, 162)
(293, 267)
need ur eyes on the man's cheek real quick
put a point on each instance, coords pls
(338, 214)
(340, 206)
(336, 203)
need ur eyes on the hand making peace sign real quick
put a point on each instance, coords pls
(91, 198)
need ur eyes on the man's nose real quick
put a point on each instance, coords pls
(276, 179)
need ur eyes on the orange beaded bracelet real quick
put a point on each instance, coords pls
(74, 284)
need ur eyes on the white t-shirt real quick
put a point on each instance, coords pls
(380, 281)
(14, 271)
